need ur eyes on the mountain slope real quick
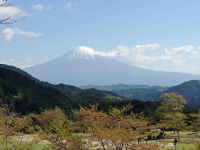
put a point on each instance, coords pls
(140, 92)
(72, 90)
(85, 67)
(35, 96)
(190, 91)
(31, 95)
(117, 87)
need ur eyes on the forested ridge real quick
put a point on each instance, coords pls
(31, 95)
(190, 90)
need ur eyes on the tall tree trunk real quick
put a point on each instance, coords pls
(102, 144)
(178, 134)
(7, 135)
(7, 143)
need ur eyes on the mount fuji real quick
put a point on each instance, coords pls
(84, 66)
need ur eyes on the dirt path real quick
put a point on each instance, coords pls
(33, 138)
(92, 144)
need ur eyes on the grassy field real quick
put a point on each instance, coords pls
(187, 141)
(35, 146)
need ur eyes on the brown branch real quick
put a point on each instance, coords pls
(7, 21)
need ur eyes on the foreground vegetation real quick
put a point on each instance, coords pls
(91, 128)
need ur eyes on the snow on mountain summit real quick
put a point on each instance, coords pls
(88, 53)
(84, 52)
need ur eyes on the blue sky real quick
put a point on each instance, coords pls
(154, 34)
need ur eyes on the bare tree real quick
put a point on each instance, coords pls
(7, 19)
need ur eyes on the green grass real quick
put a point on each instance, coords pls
(183, 133)
(182, 146)
(184, 143)
(36, 146)
(39, 146)
(187, 140)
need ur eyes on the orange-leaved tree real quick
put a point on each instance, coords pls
(11, 124)
(115, 129)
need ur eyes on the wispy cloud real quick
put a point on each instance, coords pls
(156, 57)
(8, 34)
(41, 7)
(18, 63)
(140, 54)
(69, 5)
(11, 11)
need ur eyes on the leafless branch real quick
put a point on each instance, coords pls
(6, 20)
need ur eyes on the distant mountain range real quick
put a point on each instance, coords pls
(117, 87)
(141, 92)
(83, 66)
(189, 89)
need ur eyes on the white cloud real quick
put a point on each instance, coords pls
(154, 56)
(40, 7)
(182, 49)
(136, 53)
(69, 5)
(3, 2)
(27, 33)
(17, 63)
(141, 54)
(9, 33)
(178, 59)
(194, 54)
(11, 11)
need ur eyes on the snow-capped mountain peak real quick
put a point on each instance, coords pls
(86, 66)
(85, 52)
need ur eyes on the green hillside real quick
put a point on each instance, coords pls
(118, 87)
(190, 91)
(141, 92)
(31, 96)
(72, 90)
